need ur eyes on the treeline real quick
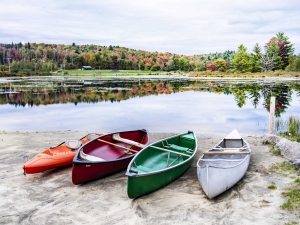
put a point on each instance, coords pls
(33, 58)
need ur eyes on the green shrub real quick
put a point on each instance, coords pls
(155, 68)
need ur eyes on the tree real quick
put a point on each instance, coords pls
(220, 65)
(267, 62)
(280, 46)
(297, 63)
(182, 62)
(241, 60)
(255, 59)
(285, 46)
(273, 49)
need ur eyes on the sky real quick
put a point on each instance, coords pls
(186, 27)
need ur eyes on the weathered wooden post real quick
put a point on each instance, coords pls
(272, 114)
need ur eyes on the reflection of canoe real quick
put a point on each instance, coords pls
(59, 155)
(223, 165)
(107, 154)
(160, 163)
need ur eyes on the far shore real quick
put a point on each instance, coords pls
(106, 74)
(51, 198)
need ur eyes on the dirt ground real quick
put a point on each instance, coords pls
(51, 198)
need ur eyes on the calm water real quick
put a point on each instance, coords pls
(165, 105)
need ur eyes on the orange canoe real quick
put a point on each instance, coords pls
(59, 155)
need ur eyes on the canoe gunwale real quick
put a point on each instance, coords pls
(75, 139)
(129, 174)
(220, 167)
(227, 167)
(77, 161)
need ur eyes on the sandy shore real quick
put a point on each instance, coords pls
(51, 198)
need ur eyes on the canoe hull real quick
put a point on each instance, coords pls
(160, 163)
(53, 157)
(114, 158)
(215, 181)
(42, 163)
(141, 185)
(224, 165)
(88, 172)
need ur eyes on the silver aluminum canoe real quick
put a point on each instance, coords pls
(224, 165)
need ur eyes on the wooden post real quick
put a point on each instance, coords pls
(272, 113)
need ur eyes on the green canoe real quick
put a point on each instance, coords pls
(160, 163)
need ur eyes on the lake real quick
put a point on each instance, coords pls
(162, 104)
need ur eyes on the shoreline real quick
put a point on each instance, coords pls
(50, 197)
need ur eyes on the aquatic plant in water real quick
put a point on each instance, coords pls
(289, 129)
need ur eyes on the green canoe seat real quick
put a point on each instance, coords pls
(178, 148)
(144, 169)
(188, 136)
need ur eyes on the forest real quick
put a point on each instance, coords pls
(41, 59)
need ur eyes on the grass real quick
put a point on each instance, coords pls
(277, 73)
(284, 168)
(289, 129)
(292, 223)
(276, 151)
(293, 192)
(110, 72)
(293, 203)
(272, 186)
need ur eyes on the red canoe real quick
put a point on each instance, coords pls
(107, 154)
(59, 155)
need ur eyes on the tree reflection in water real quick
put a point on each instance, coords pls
(73, 91)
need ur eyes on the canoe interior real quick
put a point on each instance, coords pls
(231, 143)
(151, 159)
(109, 152)
(225, 161)
(222, 161)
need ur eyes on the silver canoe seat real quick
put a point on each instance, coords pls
(73, 144)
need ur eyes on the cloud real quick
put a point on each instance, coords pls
(184, 27)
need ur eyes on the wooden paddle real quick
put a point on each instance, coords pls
(224, 153)
(120, 146)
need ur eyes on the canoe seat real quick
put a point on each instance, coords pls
(92, 136)
(73, 144)
(117, 137)
(88, 157)
(144, 169)
(178, 148)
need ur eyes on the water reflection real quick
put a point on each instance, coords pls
(157, 105)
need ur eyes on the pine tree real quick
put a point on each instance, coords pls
(255, 59)
(273, 50)
(241, 60)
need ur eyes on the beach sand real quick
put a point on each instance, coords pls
(51, 198)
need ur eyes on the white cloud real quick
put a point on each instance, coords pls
(183, 27)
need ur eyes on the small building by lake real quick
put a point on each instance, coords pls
(87, 68)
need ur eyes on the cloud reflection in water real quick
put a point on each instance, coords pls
(178, 112)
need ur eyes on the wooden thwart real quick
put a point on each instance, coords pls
(224, 149)
(224, 153)
(167, 150)
(120, 146)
